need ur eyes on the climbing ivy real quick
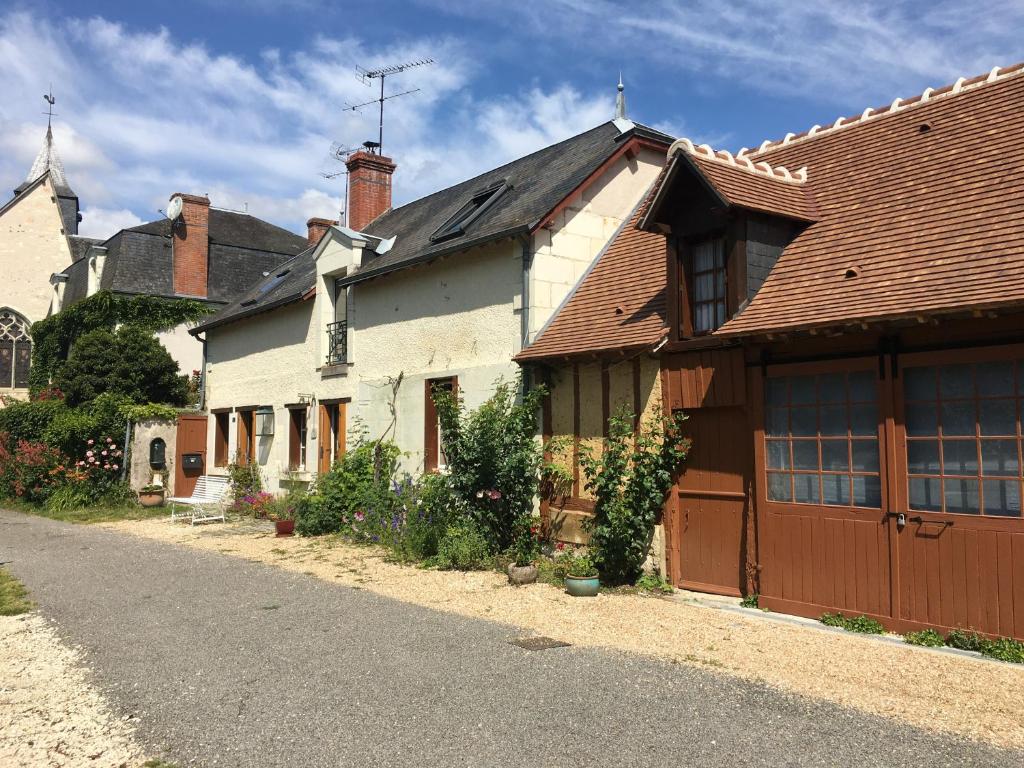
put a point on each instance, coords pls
(52, 338)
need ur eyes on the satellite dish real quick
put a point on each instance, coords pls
(174, 207)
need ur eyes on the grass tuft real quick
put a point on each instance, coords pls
(861, 624)
(13, 595)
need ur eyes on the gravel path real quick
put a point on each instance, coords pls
(231, 663)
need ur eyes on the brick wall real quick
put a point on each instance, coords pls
(369, 188)
(191, 244)
(316, 228)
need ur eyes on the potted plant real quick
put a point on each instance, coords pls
(525, 549)
(151, 496)
(581, 579)
(282, 512)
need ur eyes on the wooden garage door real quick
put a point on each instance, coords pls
(705, 518)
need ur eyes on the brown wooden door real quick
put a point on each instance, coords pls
(323, 463)
(331, 431)
(245, 448)
(191, 439)
(705, 521)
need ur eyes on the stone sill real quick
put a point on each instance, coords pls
(331, 371)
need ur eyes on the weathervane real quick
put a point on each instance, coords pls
(49, 99)
(366, 75)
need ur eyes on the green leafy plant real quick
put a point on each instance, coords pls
(926, 637)
(579, 565)
(653, 582)
(462, 548)
(750, 601)
(629, 479)
(1004, 649)
(526, 546)
(494, 459)
(244, 478)
(965, 641)
(861, 624)
(152, 489)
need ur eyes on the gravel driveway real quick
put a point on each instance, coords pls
(231, 663)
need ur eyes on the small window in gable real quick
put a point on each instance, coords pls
(468, 213)
(708, 285)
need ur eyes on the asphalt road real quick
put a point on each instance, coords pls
(231, 663)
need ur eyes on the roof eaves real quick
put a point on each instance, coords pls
(248, 312)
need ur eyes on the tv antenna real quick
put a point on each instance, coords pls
(367, 76)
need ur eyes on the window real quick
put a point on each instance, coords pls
(469, 212)
(15, 350)
(707, 285)
(821, 439)
(433, 449)
(221, 422)
(963, 438)
(337, 331)
(297, 439)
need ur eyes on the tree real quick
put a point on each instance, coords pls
(130, 361)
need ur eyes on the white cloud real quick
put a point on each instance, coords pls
(142, 115)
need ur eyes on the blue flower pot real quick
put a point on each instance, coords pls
(582, 586)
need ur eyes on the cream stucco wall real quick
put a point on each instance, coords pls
(186, 350)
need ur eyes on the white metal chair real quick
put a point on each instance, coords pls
(210, 491)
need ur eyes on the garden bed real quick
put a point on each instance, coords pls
(952, 694)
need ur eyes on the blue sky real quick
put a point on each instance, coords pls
(242, 100)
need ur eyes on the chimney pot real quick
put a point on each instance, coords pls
(190, 245)
(369, 187)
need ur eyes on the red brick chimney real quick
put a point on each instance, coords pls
(191, 245)
(369, 188)
(317, 228)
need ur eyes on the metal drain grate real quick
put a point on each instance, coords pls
(538, 643)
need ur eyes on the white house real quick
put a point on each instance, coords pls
(351, 335)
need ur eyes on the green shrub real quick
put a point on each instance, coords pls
(926, 637)
(629, 480)
(463, 547)
(494, 460)
(965, 641)
(861, 624)
(579, 565)
(1004, 649)
(130, 361)
(652, 582)
(426, 508)
(22, 420)
(750, 601)
(245, 480)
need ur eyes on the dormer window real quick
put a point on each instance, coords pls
(708, 285)
(482, 200)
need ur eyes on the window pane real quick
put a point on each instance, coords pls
(720, 321)
(778, 487)
(919, 383)
(806, 489)
(999, 457)
(997, 417)
(720, 284)
(777, 422)
(955, 381)
(777, 454)
(994, 379)
(922, 419)
(703, 256)
(961, 496)
(923, 457)
(802, 389)
(805, 454)
(926, 494)
(835, 489)
(835, 455)
(958, 418)
(864, 419)
(777, 392)
(833, 419)
(1002, 497)
(804, 421)
(867, 491)
(959, 457)
(865, 455)
(863, 387)
(704, 287)
(832, 388)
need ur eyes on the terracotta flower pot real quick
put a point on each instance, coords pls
(284, 527)
(154, 499)
(582, 586)
(522, 574)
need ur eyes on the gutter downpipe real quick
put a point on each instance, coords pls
(202, 375)
(525, 243)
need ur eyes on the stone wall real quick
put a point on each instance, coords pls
(143, 433)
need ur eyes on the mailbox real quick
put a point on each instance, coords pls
(192, 461)
(157, 453)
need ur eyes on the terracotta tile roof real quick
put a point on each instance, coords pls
(755, 188)
(923, 201)
(619, 304)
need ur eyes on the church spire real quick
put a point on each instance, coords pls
(620, 101)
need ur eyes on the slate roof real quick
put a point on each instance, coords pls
(139, 259)
(619, 304)
(48, 162)
(539, 182)
(80, 246)
(923, 198)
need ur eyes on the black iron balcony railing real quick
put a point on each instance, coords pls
(337, 343)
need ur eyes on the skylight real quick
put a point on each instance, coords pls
(271, 284)
(482, 200)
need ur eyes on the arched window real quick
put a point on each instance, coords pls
(15, 350)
